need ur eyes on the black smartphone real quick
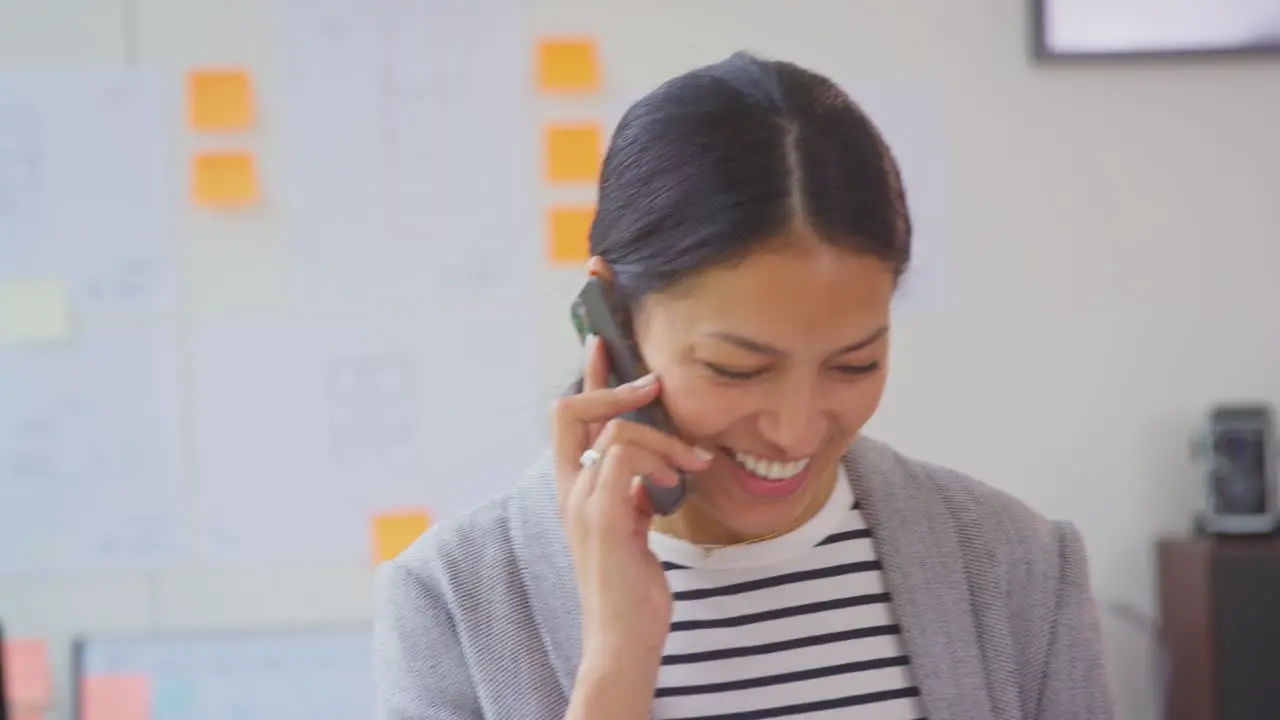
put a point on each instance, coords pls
(596, 312)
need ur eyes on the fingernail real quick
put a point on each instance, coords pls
(703, 454)
(644, 382)
(588, 344)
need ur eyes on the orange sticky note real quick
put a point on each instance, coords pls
(573, 153)
(219, 100)
(224, 179)
(27, 673)
(395, 531)
(568, 65)
(569, 234)
(115, 697)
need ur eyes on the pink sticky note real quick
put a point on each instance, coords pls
(28, 675)
(115, 697)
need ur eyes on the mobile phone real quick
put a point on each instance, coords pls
(596, 312)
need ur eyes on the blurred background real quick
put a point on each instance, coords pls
(283, 282)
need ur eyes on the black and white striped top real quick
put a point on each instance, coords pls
(800, 626)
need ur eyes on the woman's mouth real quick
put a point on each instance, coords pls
(763, 477)
(770, 469)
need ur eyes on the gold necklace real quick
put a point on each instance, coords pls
(708, 549)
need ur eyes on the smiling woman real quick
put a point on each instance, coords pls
(752, 226)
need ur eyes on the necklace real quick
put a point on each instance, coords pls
(707, 550)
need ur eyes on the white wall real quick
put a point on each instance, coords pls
(1113, 251)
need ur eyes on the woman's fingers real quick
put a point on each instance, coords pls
(595, 368)
(610, 498)
(590, 419)
(674, 451)
(573, 415)
(595, 374)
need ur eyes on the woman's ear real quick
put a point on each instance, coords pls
(597, 267)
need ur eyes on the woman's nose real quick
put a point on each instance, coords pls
(795, 425)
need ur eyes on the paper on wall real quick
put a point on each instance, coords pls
(28, 674)
(306, 429)
(91, 453)
(407, 148)
(115, 697)
(568, 65)
(85, 185)
(572, 152)
(33, 312)
(224, 180)
(220, 100)
(569, 234)
(396, 530)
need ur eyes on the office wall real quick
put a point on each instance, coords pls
(1111, 262)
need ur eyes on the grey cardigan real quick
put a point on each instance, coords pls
(480, 617)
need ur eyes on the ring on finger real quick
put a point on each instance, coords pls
(589, 458)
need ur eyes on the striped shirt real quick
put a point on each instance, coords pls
(799, 626)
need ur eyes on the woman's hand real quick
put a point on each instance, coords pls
(626, 603)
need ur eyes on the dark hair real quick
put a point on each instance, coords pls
(716, 161)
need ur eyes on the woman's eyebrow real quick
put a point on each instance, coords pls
(864, 342)
(747, 343)
(761, 348)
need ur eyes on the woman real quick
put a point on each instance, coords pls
(753, 220)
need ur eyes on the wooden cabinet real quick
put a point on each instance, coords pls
(1220, 617)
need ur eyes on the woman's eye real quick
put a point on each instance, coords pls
(734, 374)
(858, 369)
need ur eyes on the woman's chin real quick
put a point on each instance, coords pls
(744, 516)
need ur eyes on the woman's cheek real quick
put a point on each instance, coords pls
(855, 405)
(699, 408)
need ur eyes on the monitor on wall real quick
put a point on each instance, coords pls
(1118, 28)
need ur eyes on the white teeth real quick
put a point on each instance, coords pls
(770, 469)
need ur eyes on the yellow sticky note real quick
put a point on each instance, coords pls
(219, 100)
(27, 673)
(568, 65)
(224, 179)
(569, 234)
(115, 697)
(34, 311)
(573, 153)
(395, 531)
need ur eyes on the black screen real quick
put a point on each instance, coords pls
(1240, 471)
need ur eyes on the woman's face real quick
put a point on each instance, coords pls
(775, 363)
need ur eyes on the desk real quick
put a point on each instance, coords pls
(1220, 616)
